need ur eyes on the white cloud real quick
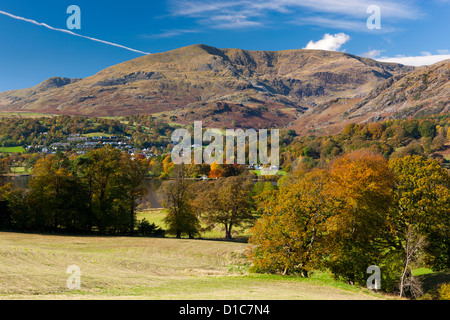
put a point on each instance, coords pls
(345, 14)
(344, 24)
(233, 21)
(372, 54)
(169, 33)
(329, 42)
(425, 59)
(355, 8)
(417, 61)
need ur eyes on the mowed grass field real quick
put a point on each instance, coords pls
(157, 216)
(35, 266)
(12, 150)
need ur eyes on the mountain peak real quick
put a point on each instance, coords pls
(200, 82)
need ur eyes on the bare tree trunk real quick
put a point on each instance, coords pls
(404, 273)
(414, 242)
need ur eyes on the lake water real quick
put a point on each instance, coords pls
(19, 182)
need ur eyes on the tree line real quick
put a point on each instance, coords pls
(358, 210)
(391, 138)
(96, 192)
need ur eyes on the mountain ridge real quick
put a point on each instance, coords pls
(222, 87)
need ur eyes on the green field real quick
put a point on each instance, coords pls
(97, 134)
(20, 170)
(12, 150)
(258, 172)
(34, 267)
(157, 216)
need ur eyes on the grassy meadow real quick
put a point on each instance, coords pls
(12, 150)
(34, 267)
(157, 216)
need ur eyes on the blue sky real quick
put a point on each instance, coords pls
(412, 31)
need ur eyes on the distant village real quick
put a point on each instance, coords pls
(82, 145)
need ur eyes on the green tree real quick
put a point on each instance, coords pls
(227, 202)
(113, 181)
(176, 199)
(422, 199)
(52, 192)
(133, 173)
(14, 211)
(427, 129)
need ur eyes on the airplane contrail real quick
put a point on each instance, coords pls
(69, 32)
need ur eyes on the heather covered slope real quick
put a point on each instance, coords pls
(218, 86)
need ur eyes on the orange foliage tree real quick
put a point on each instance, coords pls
(288, 236)
(358, 232)
(334, 217)
(217, 171)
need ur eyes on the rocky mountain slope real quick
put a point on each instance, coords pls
(232, 87)
(423, 91)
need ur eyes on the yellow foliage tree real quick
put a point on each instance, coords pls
(216, 171)
(422, 211)
(287, 238)
(168, 166)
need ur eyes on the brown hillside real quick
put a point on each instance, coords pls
(222, 87)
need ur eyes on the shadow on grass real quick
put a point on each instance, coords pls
(432, 281)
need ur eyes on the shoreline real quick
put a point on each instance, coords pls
(9, 175)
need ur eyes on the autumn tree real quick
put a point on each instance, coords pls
(176, 198)
(288, 236)
(334, 217)
(227, 202)
(55, 196)
(113, 181)
(357, 232)
(421, 213)
(217, 171)
(168, 167)
(375, 129)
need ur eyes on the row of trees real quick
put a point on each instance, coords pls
(393, 139)
(164, 169)
(226, 202)
(97, 192)
(358, 211)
